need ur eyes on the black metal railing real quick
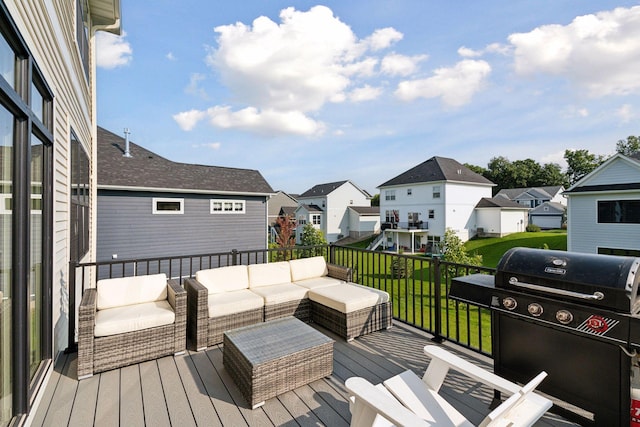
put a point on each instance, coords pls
(417, 285)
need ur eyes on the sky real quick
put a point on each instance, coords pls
(310, 93)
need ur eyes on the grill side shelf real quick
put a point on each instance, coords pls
(473, 289)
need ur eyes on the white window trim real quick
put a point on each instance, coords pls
(155, 210)
(233, 210)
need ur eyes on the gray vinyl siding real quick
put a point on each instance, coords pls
(127, 227)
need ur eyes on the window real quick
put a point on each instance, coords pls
(79, 239)
(315, 219)
(168, 206)
(409, 191)
(302, 220)
(432, 214)
(228, 207)
(436, 192)
(82, 37)
(392, 216)
(619, 212)
(26, 180)
(620, 252)
(390, 194)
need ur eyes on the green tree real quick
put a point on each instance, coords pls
(454, 251)
(629, 146)
(477, 169)
(580, 163)
(311, 236)
(375, 200)
(551, 174)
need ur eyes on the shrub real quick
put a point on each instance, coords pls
(532, 228)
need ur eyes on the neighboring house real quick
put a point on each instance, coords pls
(326, 207)
(281, 203)
(497, 217)
(48, 115)
(149, 206)
(548, 216)
(417, 206)
(603, 214)
(534, 196)
(364, 221)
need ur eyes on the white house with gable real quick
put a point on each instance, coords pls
(603, 213)
(417, 206)
(326, 206)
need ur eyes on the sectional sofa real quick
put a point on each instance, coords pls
(310, 289)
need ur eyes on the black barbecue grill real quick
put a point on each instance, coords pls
(572, 315)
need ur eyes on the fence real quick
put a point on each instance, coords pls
(418, 285)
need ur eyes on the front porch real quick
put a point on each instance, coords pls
(196, 390)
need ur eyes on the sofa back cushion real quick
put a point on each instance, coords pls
(272, 273)
(308, 268)
(131, 290)
(224, 279)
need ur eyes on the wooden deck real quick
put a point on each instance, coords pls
(196, 390)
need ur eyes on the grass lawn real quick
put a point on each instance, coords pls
(492, 248)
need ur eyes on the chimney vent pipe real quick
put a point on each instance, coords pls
(127, 153)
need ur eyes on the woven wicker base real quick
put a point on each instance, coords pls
(217, 325)
(354, 324)
(299, 309)
(274, 357)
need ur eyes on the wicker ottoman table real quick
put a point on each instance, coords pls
(270, 358)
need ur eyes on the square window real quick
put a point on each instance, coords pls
(432, 214)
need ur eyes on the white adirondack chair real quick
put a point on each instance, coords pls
(407, 400)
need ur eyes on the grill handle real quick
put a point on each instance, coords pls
(596, 296)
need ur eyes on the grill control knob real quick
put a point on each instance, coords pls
(509, 303)
(563, 316)
(535, 309)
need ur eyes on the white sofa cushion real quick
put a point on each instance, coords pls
(345, 298)
(284, 292)
(382, 295)
(123, 291)
(128, 318)
(319, 282)
(231, 302)
(224, 279)
(308, 268)
(272, 273)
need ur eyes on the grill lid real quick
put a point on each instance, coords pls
(605, 281)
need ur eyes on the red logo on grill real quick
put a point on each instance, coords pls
(597, 323)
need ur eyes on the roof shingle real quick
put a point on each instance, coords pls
(145, 169)
(438, 169)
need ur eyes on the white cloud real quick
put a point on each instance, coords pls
(214, 145)
(625, 113)
(600, 52)
(455, 86)
(498, 48)
(194, 88)
(187, 120)
(395, 64)
(291, 69)
(383, 38)
(171, 57)
(365, 93)
(112, 51)
(267, 122)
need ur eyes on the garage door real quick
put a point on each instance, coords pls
(547, 221)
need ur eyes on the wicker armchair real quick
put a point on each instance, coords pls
(130, 320)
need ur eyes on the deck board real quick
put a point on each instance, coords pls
(195, 389)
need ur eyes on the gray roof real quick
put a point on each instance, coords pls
(537, 192)
(147, 170)
(366, 210)
(438, 169)
(311, 208)
(499, 202)
(553, 208)
(322, 190)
